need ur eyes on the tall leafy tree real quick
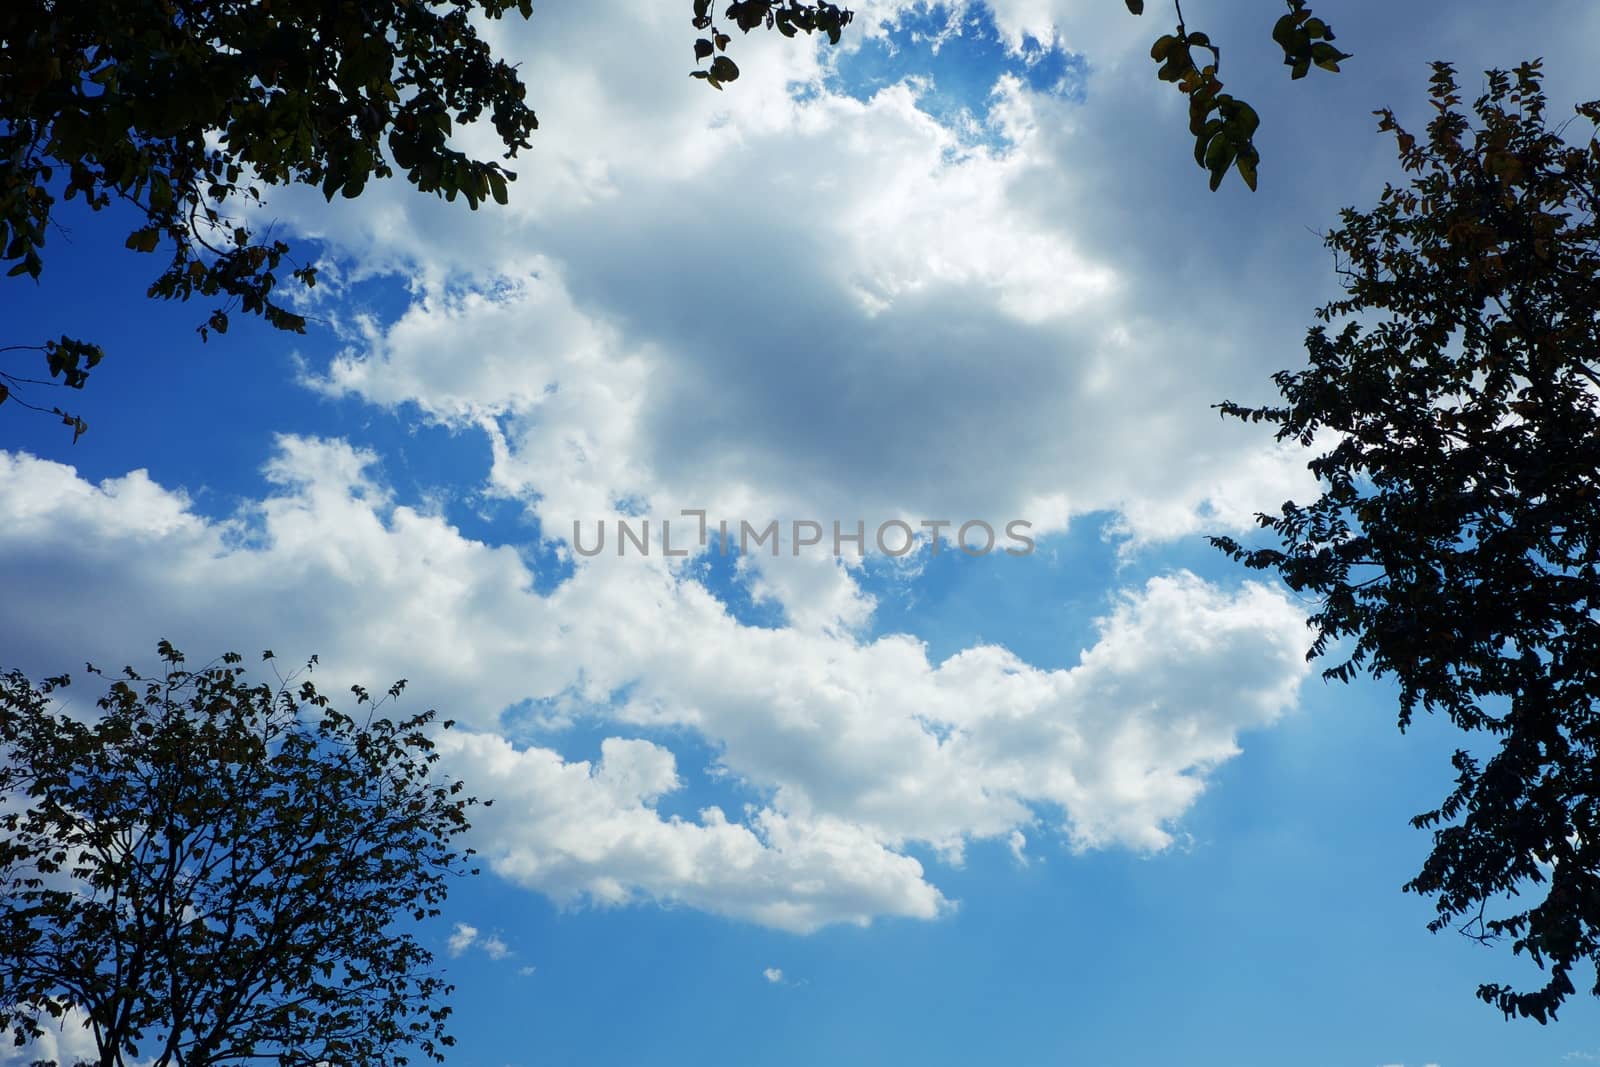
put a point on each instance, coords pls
(216, 872)
(1453, 393)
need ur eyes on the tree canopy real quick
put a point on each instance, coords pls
(1456, 544)
(213, 872)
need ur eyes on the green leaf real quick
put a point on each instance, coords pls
(1204, 139)
(144, 239)
(1219, 157)
(1242, 119)
(1283, 31)
(1327, 56)
(1247, 170)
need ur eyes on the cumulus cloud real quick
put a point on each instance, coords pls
(934, 336)
(464, 936)
(893, 320)
(461, 938)
(789, 300)
(67, 1040)
(773, 975)
(849, 748)
(576, 832)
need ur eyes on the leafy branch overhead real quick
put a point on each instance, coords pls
(183, 111)
(1224, 126)
(69, 359)
(788, 17)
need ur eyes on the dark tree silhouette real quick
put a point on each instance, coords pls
(213, 872)
(1456, 543)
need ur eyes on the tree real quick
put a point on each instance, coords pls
(212, 871)
(1455, 546)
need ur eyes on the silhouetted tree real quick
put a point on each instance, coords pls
(213, 872)
(1456, 543)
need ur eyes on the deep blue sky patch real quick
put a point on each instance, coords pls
(958, 55)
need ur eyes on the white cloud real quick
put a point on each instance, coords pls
(849, 748)
(890, 321)
(772, 306)
(773, 975)
(462, 938)
(65, 1041)
(933, 336)
(568, 830)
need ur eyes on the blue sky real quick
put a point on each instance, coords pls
(1087, 806)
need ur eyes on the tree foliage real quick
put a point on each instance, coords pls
(788, 17)
(183, 110)
(1456, 543)
(212, 871)
(1224, 126)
